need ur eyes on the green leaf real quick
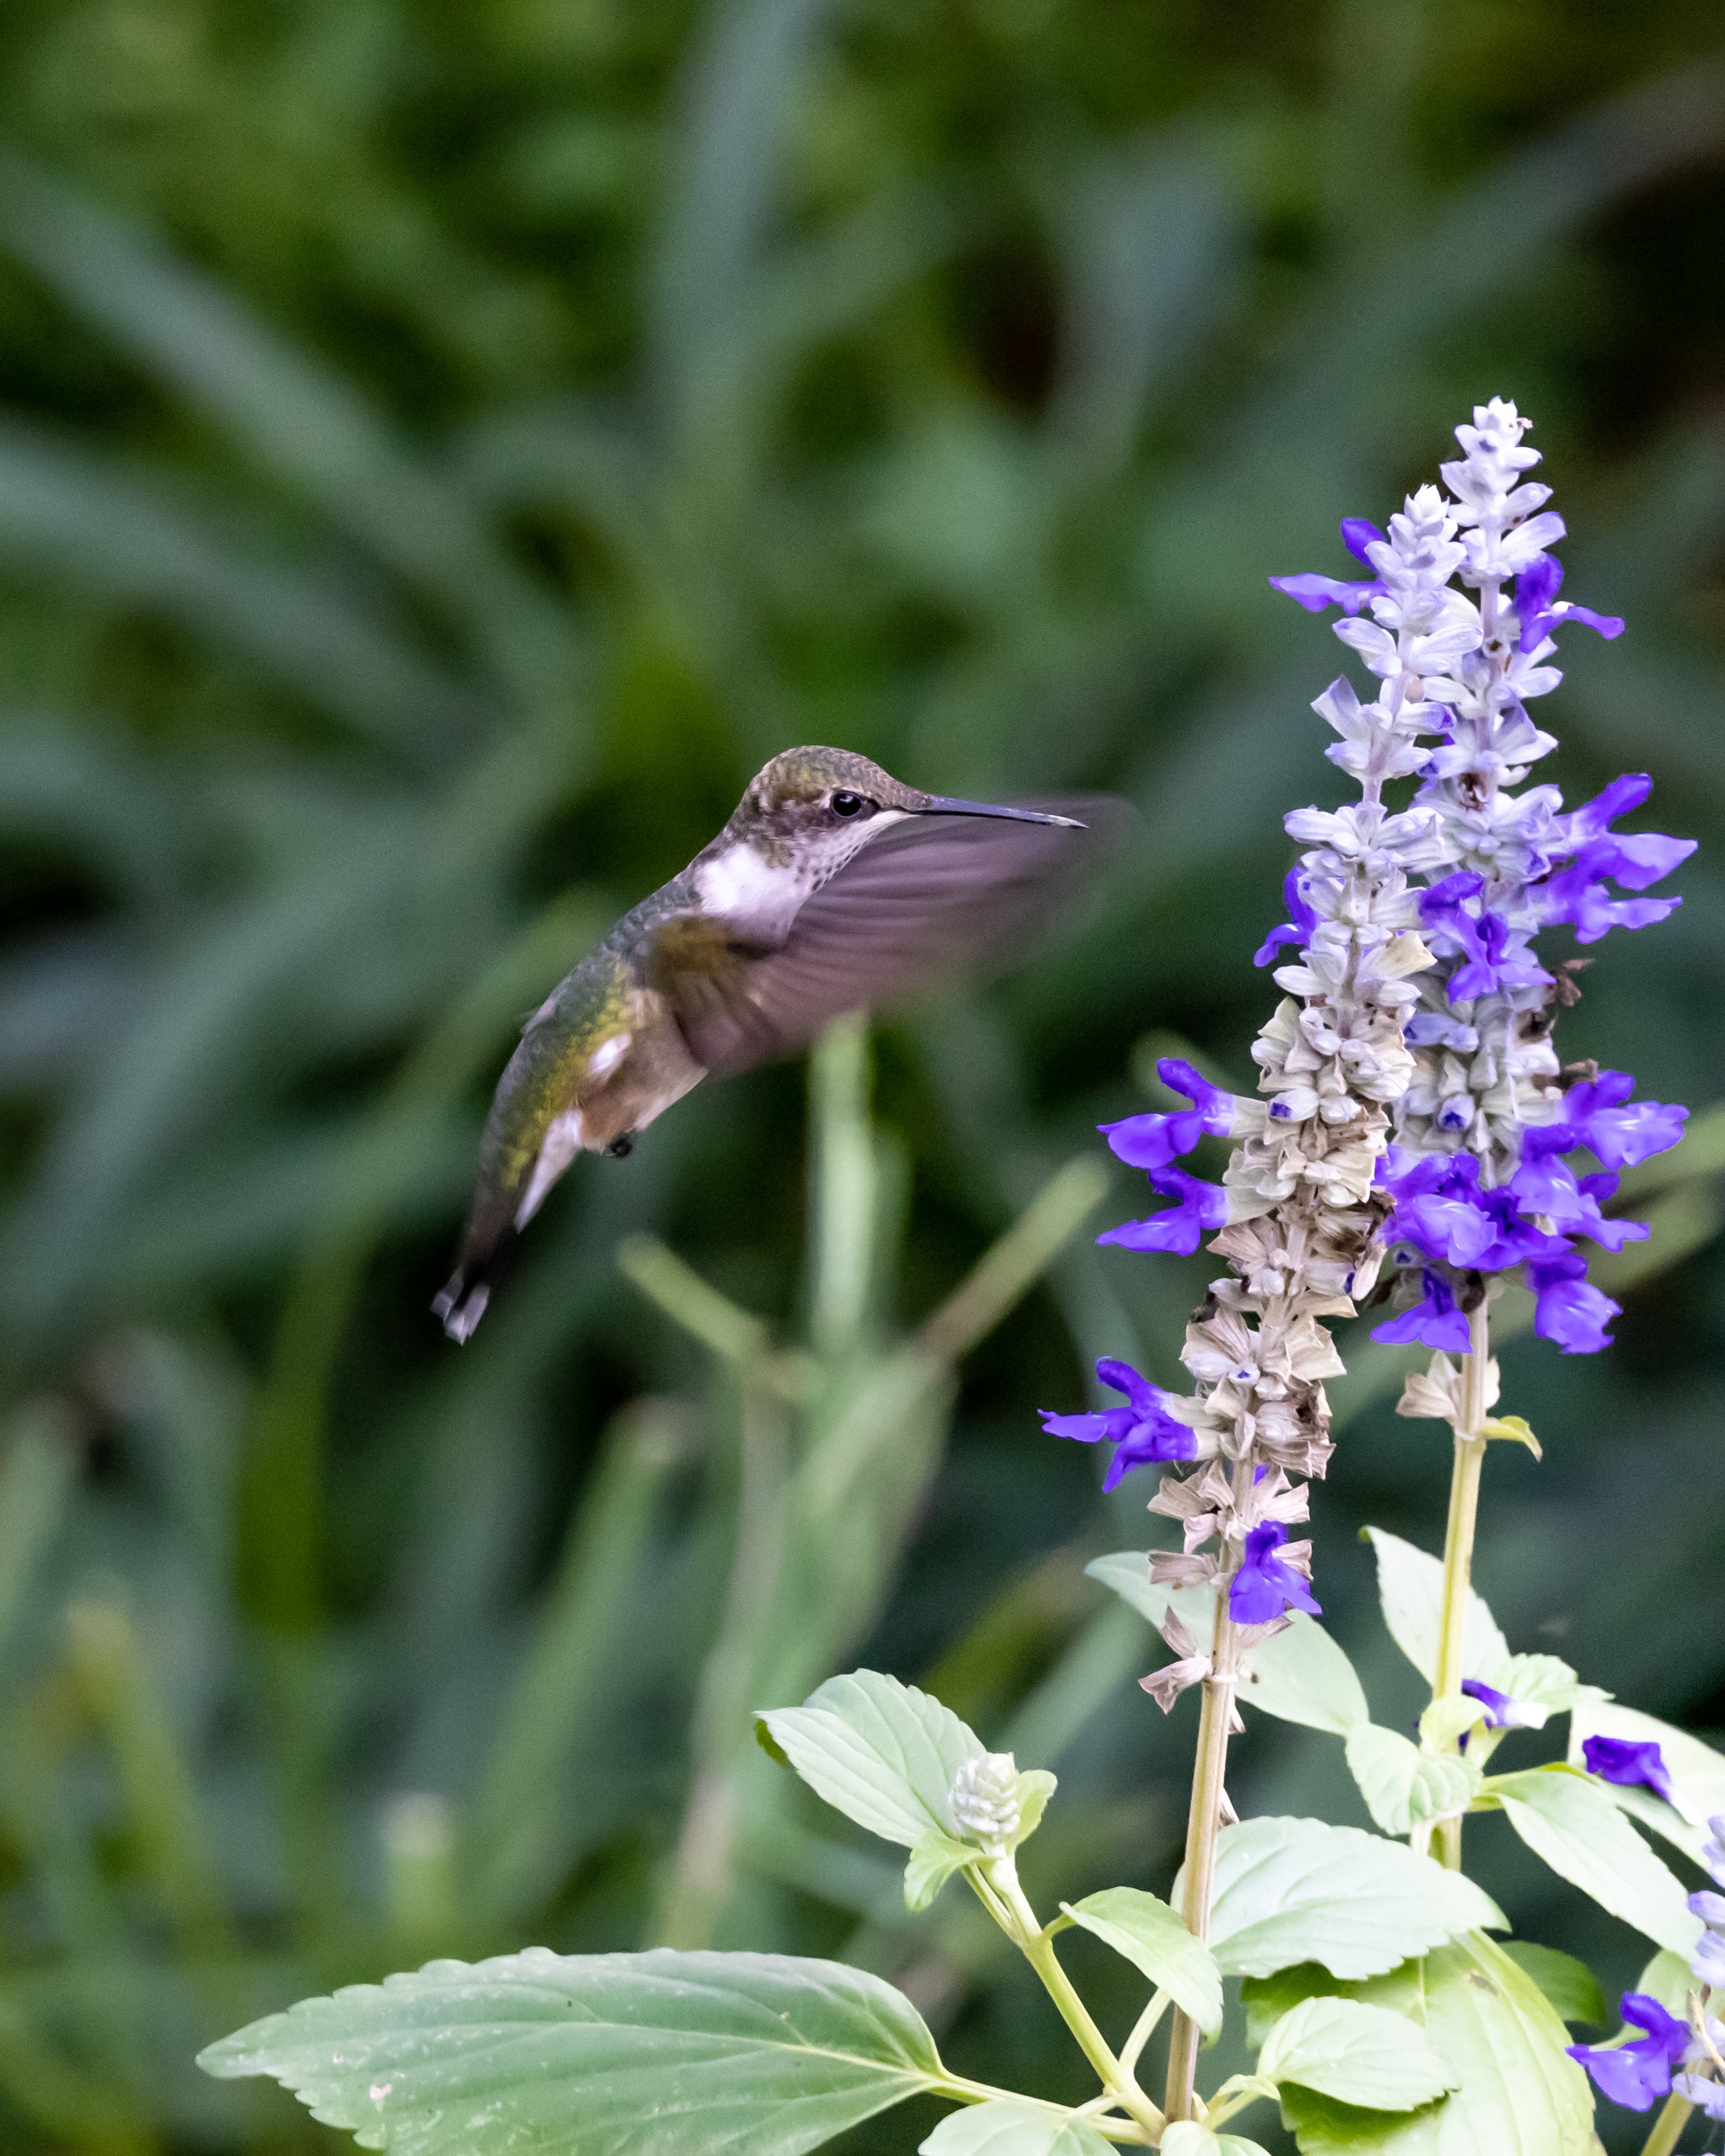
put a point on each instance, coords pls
(933, 1861)
(1570, 1986)
(1697, 1772)
(1404, 1786)
(881, 1752)
(1300, 1675)
(1443, 1720)
(1154, 1940)
(649, 2052)
(1410, 1586)
(1128, 1573)
(1036, 1785)
(1006, 2126)
(1294, 1890)
(1518, 2093)
(1585, 1839)
(1670, 1979)
(1516, 1430)
(1541, 1680)
(1360, 2054)
(1186, 2138)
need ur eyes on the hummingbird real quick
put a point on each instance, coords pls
(831, 887)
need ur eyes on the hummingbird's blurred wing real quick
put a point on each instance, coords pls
(930, 895)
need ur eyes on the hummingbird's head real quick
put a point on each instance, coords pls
(820, 805)
(805, 814)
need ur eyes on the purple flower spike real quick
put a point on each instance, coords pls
(1153, 1141)
(1143, 1431)
(1434, 1320)
(1636, 2074)
(1202, 1208)
(1265, 1584)
(1617, 1759)
(1314, 592)
(1299, 930)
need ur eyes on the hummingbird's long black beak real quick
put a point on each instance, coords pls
(943, 804)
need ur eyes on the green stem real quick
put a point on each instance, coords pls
(1037, 1948)
(1667, 2126)
(962, 2090)
(1132, 2049)
(1458, 1540)
(1205, 1819)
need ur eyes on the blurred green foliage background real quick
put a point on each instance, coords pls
(445, 448)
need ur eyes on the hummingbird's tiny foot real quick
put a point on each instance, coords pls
(621, 1148)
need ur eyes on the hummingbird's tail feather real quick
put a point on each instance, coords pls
(461, 1301)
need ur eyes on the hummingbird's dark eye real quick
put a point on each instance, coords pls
(847, 803)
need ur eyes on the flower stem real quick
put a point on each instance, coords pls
(1037, 1948)
(1673, 2117)
(1459, 1538)
(1203, 1823)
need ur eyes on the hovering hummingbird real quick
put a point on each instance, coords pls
(831, 887)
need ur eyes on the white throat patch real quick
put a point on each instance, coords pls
(740, 885)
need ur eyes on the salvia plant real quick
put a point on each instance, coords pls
(1415, 1143)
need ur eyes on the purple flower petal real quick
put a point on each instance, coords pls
(1621, 1760)
(1202, 1209)
(1434, 1321)
(1152, 1141)
(1143, 1430)
(1299, 930)
(1314, 592)
(1568, 1309)
(1265, 1584)
(1636, 2074)
(1357, 534)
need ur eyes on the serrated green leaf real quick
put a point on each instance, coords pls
(1570, 1986)
(881, 1752)
(767, 2051)
(933, 1861)
(1006, 2126)
(1402, 1786)
(1154, 1940)
(1300, 1675)
(1410, 1587)
(1443, 1720)
(1185, 2137)
(1294, 1890)
(1360, 2054)
(1542, 1681)
(1697, 1772)
(1518, 2093)
(1575, 1827)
